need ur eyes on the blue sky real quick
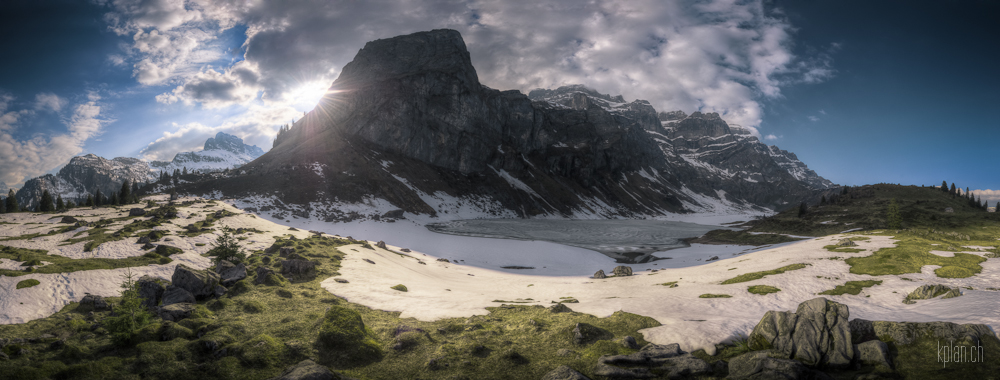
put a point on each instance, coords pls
(861, 91)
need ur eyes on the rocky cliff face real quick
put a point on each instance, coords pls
(85, 175)
(224, 151)
(408, 123)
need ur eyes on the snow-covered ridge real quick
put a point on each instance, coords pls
(224, 151)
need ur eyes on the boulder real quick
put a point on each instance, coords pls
(298, 269)
(201, 283)
(381, 244)
(564, 372)
(908, 332)
(143, 240)
(136, 212)
(622, 271)
(847, 243)
(394, 214)
(560, 308)
(91, 302)
(713, 258)
(262, 273)
(762, 365)
(285, 251)
(927, 292)
(150, 290)
(147, 246)
(177, 311)
(69, 220)
(861, 330)
(585, 333)
(817, 333)
(668, 359)
(600, 274)
(873, 352)
(629, 342)
(229, 274)
(174, 295)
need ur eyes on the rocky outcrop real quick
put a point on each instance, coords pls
(229, 273)
(622, 271)
(564, 372)
(309, 370)
(93, 302)
(151, 290)
(667, 359)
(763, 365)
(176, 312)
(298, 269)
(816, 334)
(927, 292)
(85, 175)
(200, 283)
(173, 294)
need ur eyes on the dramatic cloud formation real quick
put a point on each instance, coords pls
(713, 56)
(24, 159)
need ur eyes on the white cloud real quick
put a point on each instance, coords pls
(49, 101)
(771, 137)
(991, 196)
(822, 112)
(22, 159)
(813, 119)
(712, 56)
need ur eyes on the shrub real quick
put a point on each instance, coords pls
(130, 315)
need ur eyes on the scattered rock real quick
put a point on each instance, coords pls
(151, 290)
(91, 302)
(220, 291)
(174, 295)
(629, 342)
(369, 261)
(309, 370)
(292, 229)
(713, 258)
(136, 212)
(662, 358)
(761, 365)
(69, 220)
(394, 214)
(927, 292)
(229, 274)
(341, 280)
(381, 244)
(622, 271)
(560, 308)
(873, 352)
(585, 333)
(262, 273)
(147, 246)
(405, 250)
(907, 332)
(817, 333)
(143, 240)
(298, 269)
(564, 372)
(847, 243)
(177, 311)
(600, 274)
(285, 251)
(201, 283)
(443, 260)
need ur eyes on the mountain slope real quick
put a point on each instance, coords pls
(408, 124)
(84, 175)
(224, 151)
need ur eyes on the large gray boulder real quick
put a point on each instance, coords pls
(769, 365)
(173, 295)
(817, 333)
(309, 370)
(622, 271)
(873, 352)
(200, 283)
(298, 269)
(151, 290)
(600, 274)
(229, 273)
(651, 359)
(136, 212)
(93, 302)
(927, 292)
(908, 332)
(564, 372)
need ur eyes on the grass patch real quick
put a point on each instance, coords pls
(62, 264)
(27, 283)
(708, 295)
(759, 275)
(762, 289)
(741, 238)
(837, 248)
(399, 287)
(912, 252)
(671, 284)
(851, 287)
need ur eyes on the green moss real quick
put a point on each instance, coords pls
(253, 306)
(709, 295)
(261, 351)
(913, 252)
(742, 238)
(762, 289)
(344, 337)
(671, 284)
(759, 275)
(851, 287)
(166, 250)
(399, 287)
(27, 283)
(837, 248)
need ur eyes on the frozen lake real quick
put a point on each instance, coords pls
(625, 240)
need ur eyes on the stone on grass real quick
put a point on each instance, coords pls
(600, 274)
(622, 271)
(177, 311)
(262, 273)
(560, 308)
(762, 365)
(927, 292)
(174, 295)
(150, 290)
(68, 220)
(817, 333)
(629, 342)
(136, 212)
(92, 302)
(298, 269)
(847, 243)
(564, 372)
(230, 273)
(873, 352)
(381, 244)
(285, 251)
(201, 283)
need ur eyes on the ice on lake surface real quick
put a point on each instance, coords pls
(626, 240)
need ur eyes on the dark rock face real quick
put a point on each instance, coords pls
(200, 283)
(298, 269)
(173, 294)
(227, 142)
(761, 365)
(668, 359)
(411, 109)
(230, 273)
(151, 291)
(85, 175)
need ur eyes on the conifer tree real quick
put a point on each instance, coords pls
(125, 194)
(822, 200)
(892, 217)
(3, 205)
(114, 199)
(12, 205)
(954, 190)
(70, 204)
(46, 204)
(185, 172)
(944, 186)
(90, 201)
(60, 205)
(803, 208)
(98, 198)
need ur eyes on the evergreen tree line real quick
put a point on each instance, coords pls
(127, 195)
(974, 202)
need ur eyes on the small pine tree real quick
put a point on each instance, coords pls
(892, 217)
(227, 248)
(822, 200)
(3, 205)
(90, 201)
(954, 190)
(70, 204)
(98, 198)
(60, 205)
(177, 180)
(12, 205)
(46, 205)
(114, 199)
(130, 314)
(944, 186)
(803, 209)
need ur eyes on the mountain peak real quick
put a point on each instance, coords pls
(231, 143)
(439, 50)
